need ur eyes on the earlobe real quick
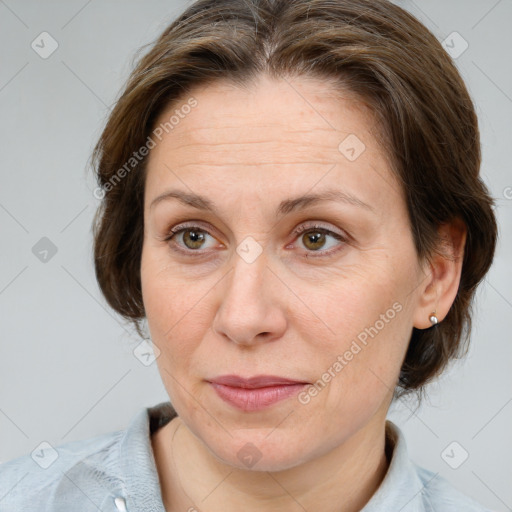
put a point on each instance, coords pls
(442, 282)
(433, 318)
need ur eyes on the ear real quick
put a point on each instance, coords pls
(443, 272)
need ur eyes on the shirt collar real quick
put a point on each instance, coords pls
(137, 462)
(402, 489)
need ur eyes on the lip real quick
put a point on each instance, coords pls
(255, 393)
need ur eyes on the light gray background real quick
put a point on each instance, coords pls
(67, 369)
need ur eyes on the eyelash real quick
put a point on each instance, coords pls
(315, 228)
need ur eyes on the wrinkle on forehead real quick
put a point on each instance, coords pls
(290, 110)
(273, 127)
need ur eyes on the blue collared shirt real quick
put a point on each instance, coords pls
(116, 472)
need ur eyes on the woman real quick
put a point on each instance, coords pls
(291, 200)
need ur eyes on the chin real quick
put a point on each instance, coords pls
(256, 450)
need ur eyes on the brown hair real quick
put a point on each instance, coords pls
(371, 47)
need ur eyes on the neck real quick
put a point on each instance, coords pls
(342, 480)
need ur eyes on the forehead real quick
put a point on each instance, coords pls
(266, 110)
(272, 134)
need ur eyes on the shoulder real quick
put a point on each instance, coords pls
(439, 494)
(106, 472)
(73, 469)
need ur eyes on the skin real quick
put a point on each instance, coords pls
(246, 150)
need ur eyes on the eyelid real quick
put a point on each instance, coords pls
(206, 227)
(311, 225)
(172, 232)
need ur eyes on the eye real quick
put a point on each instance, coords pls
(315, 239)
(190, 238)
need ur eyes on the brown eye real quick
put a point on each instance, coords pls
(313, 240)
(319, 241)
(193, 238)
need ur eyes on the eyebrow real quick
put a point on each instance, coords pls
(286, 206)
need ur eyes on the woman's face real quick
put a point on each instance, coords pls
(257, 281)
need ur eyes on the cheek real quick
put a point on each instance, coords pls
(179, 317)
(364, 325)
(177, 323)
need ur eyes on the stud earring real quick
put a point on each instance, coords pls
(433, 318)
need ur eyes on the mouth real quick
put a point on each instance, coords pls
(255, 393)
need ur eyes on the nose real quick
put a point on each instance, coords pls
(252, 306)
